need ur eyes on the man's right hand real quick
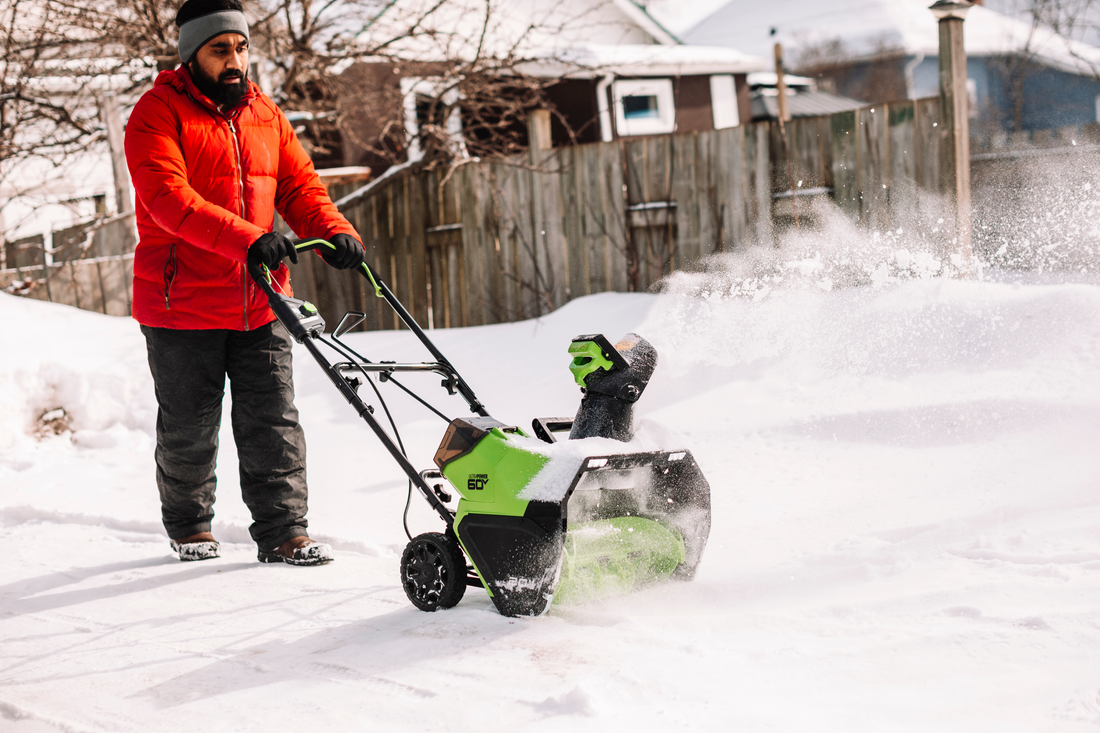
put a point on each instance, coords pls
(270, 249)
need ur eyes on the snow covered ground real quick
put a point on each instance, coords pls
(906, 530)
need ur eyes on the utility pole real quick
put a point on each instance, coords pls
(955, 120)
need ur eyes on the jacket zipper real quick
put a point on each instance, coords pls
(240, 194)
(169, 276)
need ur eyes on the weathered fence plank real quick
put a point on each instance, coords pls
(115, 282)
(873, 164)
(902, 164)
(706, 194)
(497, 184)
(758, 185)
(845, 154)
(471, 269)
(615, 224)
(730, 180)
(927, 137)
(684, 224)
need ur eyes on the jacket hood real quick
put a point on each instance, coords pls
(180, 80)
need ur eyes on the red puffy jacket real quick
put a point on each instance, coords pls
(208, 185)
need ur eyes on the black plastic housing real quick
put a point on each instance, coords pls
(607, 407)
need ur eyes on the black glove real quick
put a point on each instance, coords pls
(270, 249)
(348, 252)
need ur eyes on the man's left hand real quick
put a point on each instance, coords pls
(346, 253)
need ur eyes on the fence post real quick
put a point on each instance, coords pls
(955, 119)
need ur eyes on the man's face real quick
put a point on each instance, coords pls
(220, 68)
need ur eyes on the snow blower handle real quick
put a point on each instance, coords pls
(290, 312)
(299, 316)
(307, 244)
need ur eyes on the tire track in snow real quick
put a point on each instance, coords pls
(13, 515)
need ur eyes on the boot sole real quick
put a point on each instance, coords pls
(313, 555)
(195, 551)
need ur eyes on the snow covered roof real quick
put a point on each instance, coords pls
(592, 59)
(771, 79)
(646, 22)
(869, 28)
(508, 29)
(765, 104)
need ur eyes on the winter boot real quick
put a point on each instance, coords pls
(201, 546)
(299, 550)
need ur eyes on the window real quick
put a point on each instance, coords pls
(723, 102)
(638, 107)
(644, 107)
(424, 106)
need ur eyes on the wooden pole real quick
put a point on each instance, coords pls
(108, 110)
(781, 84)
(538, 132)
(955, 121)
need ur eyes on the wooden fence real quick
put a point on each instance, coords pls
(491, 242)
(881, 164)
(92, 266)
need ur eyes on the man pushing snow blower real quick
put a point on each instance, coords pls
(212, 159)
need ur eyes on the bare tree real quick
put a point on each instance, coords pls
(347, 65)
(843, 70)
(59, 57)
(472, 58)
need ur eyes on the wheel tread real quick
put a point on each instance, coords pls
(433, 571)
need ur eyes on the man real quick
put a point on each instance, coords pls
(212, 160)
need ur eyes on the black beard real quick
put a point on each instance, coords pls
(221, 93)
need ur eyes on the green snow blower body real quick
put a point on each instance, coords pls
(537, 519)
(596, 525)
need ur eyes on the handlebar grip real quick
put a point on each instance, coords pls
(260, 275)
(306, 245)
(264, 281)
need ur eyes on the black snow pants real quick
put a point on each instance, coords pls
(189, 370)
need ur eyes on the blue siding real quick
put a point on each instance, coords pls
(1052, 98)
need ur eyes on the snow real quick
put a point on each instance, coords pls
(566, 457)
(906, 523)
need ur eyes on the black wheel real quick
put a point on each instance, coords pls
(433, 571)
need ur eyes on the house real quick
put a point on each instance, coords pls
(606, 68)
(1021, 76)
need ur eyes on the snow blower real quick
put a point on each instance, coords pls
(537, 519)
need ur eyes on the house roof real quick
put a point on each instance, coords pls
(592, 59)
(801, 104)
(428, 30)
(871, 28)
(647, 22)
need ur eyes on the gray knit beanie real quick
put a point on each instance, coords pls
(201, 20)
